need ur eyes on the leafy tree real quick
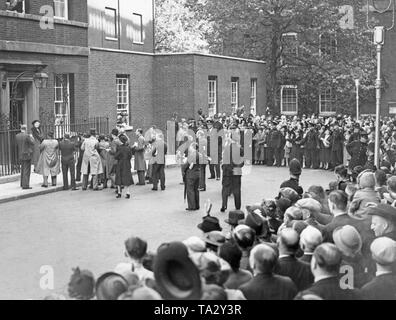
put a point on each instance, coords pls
(256, 29)
(177, 29)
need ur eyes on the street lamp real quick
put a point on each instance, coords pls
(380, 6)
(357, 83)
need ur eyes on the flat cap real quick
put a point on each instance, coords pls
(383, 250)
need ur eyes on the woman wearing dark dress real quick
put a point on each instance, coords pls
(124, 170)
(38, 139)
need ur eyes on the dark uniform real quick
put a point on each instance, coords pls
(337, 148)
(68, 149)
(312, 148)
(358, 152)
(191, 177)
(274, 146)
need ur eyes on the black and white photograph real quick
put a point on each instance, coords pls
(186, 150)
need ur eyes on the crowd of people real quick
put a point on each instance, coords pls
(327, 242)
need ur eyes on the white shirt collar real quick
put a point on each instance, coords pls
(317, 279)
(380, 273)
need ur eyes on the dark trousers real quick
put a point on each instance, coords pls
(158, 174)
(270, 156)
(312, 158)
(215, 171)
(232, 184)
(279, 152)
(202, 177)
(337, 157)
(66, 167)
(26, 169)
(192, 191)
(94, 181)
(141, 177)
(79, 164)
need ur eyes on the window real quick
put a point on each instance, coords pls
(123, 98)
(212, 95)
(60, 7)
(327, 44)
(15, 5)
(62, 94)
(326, 101)
(289, 100)
(392, 107)
(234, 94)
(111, 24)
(137, 21)
(289, 46)
(253, 96)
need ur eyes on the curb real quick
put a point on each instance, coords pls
(54, 189)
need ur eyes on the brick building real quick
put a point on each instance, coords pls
(100, 61)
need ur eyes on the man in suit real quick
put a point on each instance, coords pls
(383, 286)
(337, 143)
(25, 147)
(140, 162)
(294, 181)
(214, 147)
(68, 149)
(312, 147)
(325, 266)
(274, 143)
(338, 202)
(288, 264)
(310, 238)
(265, 285)
(158, 162)
(383, 220)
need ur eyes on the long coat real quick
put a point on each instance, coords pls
(358, 152)
(124, 168)
(140, 163)
(91, 158)
(49, 163)
(38, 139)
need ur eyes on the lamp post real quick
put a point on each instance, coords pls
(357, 83)
(379, 6)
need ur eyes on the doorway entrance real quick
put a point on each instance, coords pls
(21, 103)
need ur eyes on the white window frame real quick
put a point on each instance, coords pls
(253, 96)
(212, 96)
(66, 4)
(288, 112)
(332, 37)
(290, 34)
(328, 98)
(234, 94)
(106, 22)
(136, 28)
(8, 2)
(122, 89)
(64, 99)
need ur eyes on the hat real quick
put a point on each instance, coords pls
(283, 204)
(234, 217)
(348, 240)
(141, 293)
(311, 237)
(310, 204)
(392, 184)
(383, 251)
(123, 139)
(366, 180)
(195, 244)
(254, 221)
(92, 132)
(290, 194)
(136, 247)
(35, 121)
(110, 286)
(385, 211)
(209, 223)
(215, 238)
(244, 232)
(295, 167)
(81, 285)
(176, 275)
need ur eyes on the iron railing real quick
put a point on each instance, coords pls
(9, 164)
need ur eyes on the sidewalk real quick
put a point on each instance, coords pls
(11, 191)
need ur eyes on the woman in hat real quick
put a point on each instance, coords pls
(124, 169)
(49, 163)
(38, 139)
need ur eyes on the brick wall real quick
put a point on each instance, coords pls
(173, 88)
(103, 68)
(60, 64)
(225, 69)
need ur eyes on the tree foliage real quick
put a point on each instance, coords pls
(256, 29)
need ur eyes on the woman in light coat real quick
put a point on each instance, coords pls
(49, 162)
(92, 163)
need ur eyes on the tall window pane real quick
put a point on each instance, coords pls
(326, 101)
(137, 21)
(122, 85)
(61, 92)
(253, 96)
(60, 8)
(234, 94)
(212, 95)
(289, 99)
(111, 23)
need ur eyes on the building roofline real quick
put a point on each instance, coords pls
(209, 55)
(176, 54)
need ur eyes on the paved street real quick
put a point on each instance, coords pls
(87, 229)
